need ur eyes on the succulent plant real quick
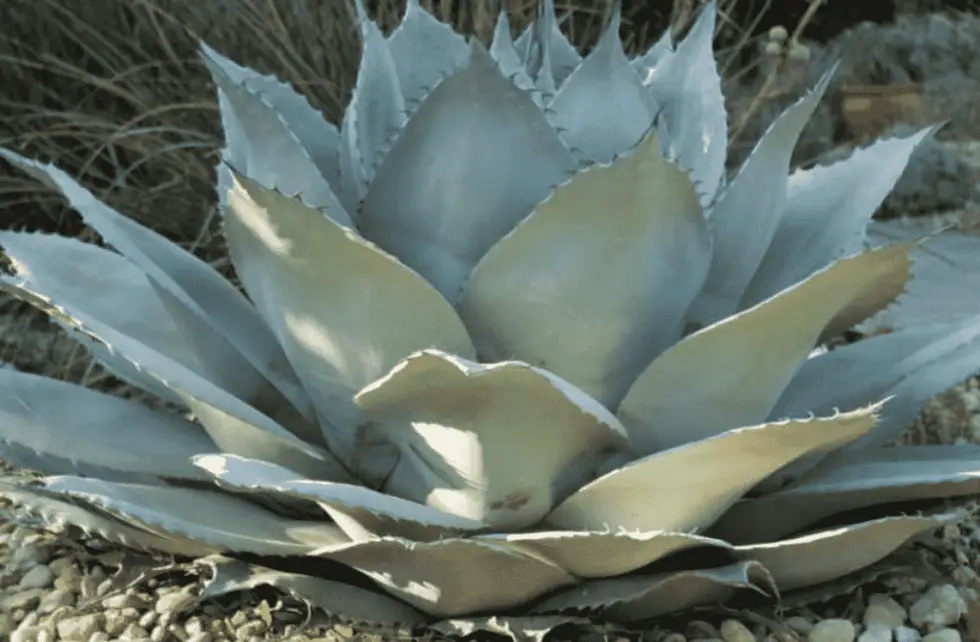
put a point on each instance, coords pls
(513, 345)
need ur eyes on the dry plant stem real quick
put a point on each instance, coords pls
(763, 93)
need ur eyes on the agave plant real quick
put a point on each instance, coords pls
(513, 344)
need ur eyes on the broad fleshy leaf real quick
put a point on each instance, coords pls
(595, 282)
(260, 143)
(859, 479)
(377, 108)
(474, 159)
(87, 280)
(62, 428)
(61, 512)
(592, 554)
(318, 136)
(360, 512)
(684, 489)
(686, 85)
(827, 209)
(946, 277)
(911, 365)
(437, 577)
(425, 51)
(345, 602)
(753, 201)
(827, 555)
(684, 395)
(496, 443)
(548, 55)
(504, 53)
(241, 339)
(642, 597)
(602, 110)
(233, 425)
(221, 521)
(344, 311)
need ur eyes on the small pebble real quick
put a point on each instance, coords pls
(833, 631)
(40, 576)
(55, 599)
(943, 635)
(80, 628)
(99, 636)
(885, 611)
(26, 600)
(799, 624)
(906, 634)
(735, 631)
(174, 602)
(876, 633)
(202, 636)
(940, 606)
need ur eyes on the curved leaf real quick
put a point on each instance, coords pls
(602, 110)
(425, 50)
(360, 512)
(686, 85)
(91, 281)
(260, 143)
(945, 277)
(493, 443)
(241, 339)
(208, 517)
(913, 365)
(473, 160)
(232, 424)
(58, 511)
(685, 488)
(318, 136)
(437, 577)
(595, 282)
(827, 209)
(377, 108)
(684, 396)
(827, 555)
(504, 53)
(344, 311)
(604, 553)
(859, 479)
(747, 213)
(72, 430)
(548, 55)
(342, 601)
(632, 599)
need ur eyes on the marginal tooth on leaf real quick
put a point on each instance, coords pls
(571, 275)
(826, 213)
(437, 206)
(602, 108)
(684, 489)
(688, 88)
(752, 201)
(216, 519)
(496, 439)
(683, 396)
(341, 601)
(631, 599)
(827, 555)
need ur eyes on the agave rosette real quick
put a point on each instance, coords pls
(512, 340)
